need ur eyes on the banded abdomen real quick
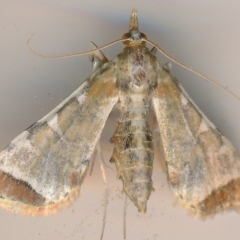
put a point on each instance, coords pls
(133, 150)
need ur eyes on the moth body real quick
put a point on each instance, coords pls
(133, 151)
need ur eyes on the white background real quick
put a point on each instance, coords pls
(205, 35)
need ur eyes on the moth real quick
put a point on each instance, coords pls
(41, 170)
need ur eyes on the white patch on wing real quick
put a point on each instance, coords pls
(203, 127)
(184, 101)
(81, 99)
(53, 124)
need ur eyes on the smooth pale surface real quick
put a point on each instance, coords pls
(204, 35)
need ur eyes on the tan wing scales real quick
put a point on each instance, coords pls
(203, 167)
(42, 169)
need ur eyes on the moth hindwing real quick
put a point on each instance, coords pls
(41, 170)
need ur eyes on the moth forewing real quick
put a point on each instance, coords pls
(43, 168)
(203, 167)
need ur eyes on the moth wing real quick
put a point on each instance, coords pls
(42, 169)
(202, 166)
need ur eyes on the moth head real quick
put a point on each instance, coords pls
(134, 37)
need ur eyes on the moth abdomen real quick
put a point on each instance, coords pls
(133, 155)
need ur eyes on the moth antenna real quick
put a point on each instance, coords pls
(190, 69)
(73, 54)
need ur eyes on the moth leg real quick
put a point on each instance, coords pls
(167, 66)
(153, 50)
(106, 192)
(100, 158)
(92, 162)
(125, 217)
(97, 58)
